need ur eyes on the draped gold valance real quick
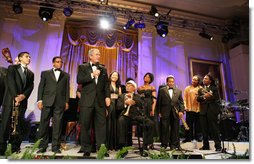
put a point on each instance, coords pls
(108, 39)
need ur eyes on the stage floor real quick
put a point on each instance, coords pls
(190, 149)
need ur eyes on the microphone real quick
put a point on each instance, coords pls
(98, 65)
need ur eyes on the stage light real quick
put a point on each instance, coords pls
(154, 11)
(140, 25)
(129, 24)
(203, 34)
(68, 11)
(46, 13)
(162, 28)
(17, 8)
(227, 37)
(107, 21)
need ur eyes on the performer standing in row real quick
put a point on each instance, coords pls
(192, 110)
(113, 113)
(148, 94)
(95, 97)
(170, 109)
(20, 84)
(53, 98)
(208, 96)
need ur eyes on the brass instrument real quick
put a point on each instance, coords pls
(185, 125)
(204, 91)
(14, 119)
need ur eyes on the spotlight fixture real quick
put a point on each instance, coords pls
(68, 11)
(129, 24)
(46, 13)
(227, 37)
(16, 7)
(154, 11)
(140, 24)
(107, 21)
(162, 28)
(203, 34)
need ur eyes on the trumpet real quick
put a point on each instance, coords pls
(185, 125)
(14, 119)
(204, 91)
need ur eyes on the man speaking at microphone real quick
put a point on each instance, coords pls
(95, 97)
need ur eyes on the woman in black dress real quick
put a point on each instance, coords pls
(115, 91)
(148, 94)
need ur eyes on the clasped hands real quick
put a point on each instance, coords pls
(96, 73)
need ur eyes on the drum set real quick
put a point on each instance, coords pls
(234, 120)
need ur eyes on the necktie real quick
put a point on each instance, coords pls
(24, 75)
(57, 69)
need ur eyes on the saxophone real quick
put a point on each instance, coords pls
(185, 125)
(14, 119)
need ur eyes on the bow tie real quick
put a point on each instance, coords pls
(93, 65)
(57, 69)
(170, 88)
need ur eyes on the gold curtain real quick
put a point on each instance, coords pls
(108, 57)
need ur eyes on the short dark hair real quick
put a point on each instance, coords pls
(21, 54)
(170, 77)
(211, 79)
(56, 57)
(151, 77)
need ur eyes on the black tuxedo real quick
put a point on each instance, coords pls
(3, 72)
(54, 94)
(92, 105)
(209, 110)
(15, 86)
(136, 113)
(169, 120)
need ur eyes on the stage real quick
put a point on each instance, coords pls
(190, 150)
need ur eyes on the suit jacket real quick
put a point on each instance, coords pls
(134, 110)
(15, 85)
(210, 104)
(165, 103)
(91, 90)
(51, 91)
(3, 72)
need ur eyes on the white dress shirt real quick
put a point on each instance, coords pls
(57, 74)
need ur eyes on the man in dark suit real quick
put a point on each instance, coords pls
(131, 106)
(3, 72)
(20, 83)
(95, 97)
(170, 108)
(208, 96)
(53, 97)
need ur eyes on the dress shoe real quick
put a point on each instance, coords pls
(218, 149)
(151, 146)
(164, 146)
(42, 150)
(186, 140)
(81, 151)
(86, 154)
(57, 151)
(204, 148)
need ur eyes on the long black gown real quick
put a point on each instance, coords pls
(112, 118)
(148, 97)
